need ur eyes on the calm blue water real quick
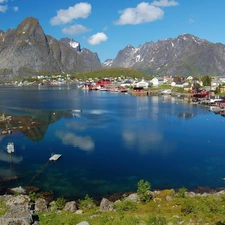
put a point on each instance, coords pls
(114, 142)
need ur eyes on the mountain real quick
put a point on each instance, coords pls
(182, 56)
(71, 43)
(26, 51)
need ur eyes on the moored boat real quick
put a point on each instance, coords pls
(10, 147)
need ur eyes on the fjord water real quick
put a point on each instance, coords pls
(116, 140)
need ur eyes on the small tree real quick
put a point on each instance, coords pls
(143, 191)
(206, 80)
(86, 203)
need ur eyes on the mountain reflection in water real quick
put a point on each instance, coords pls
(108, 142)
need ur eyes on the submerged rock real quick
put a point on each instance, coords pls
(18, 190)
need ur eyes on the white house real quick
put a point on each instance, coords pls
(142, 83)
(157, 81)
(127, 83)
(222, 79)
(179, 84)
(189, 78)
(215, 84)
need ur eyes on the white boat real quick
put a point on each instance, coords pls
(214, 108)
(10, 147)
(166, 92)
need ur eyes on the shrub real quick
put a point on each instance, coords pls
(188, 207)
(125, 205)
(3, 208)
(60, 203)
(33, 196)
(143, 191)
(181, 192)
(86, 203)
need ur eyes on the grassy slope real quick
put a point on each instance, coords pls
(196, 210)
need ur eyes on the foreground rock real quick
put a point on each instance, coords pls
(106, 205)
(19, 210)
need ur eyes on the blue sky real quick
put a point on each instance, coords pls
(107, 26)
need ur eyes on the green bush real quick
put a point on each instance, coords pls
(125, 205)
(3, 208)
(143, 191)
(181, 192)
(60, 203)
(188, 206)
(86, 203)
(33, 196)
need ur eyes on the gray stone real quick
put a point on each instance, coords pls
(134, 197)
(79, 211)
(70, 206)
(106, 205)
(18, 211)
(41, 205)
(83, 223)
(169, 198)
(190, 194)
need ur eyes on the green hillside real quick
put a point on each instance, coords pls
(112, 72)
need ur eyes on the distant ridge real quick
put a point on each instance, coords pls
(182, 56)
(27, 51)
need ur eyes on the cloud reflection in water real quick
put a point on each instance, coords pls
(68, 138)
(8, 158)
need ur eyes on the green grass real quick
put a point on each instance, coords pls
(199, 210)
(3, 208)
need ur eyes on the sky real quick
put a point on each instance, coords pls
(108, 26)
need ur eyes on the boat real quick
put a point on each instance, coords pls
(10, 147)
(55, 157)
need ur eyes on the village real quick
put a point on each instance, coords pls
(199, 90)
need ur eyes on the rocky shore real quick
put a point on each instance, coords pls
(21, 209)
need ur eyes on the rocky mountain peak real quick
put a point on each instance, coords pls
(181, 56)
(71, 43)
(27, 50)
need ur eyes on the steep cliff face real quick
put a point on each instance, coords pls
(26, 51)
(183, 56)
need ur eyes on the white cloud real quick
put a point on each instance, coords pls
(97, 38)
(2, 1)
(15, 8)
(75, 29)
(144, 12)
(165, 3)
(191, 21)
(80, 10)
(3, 8)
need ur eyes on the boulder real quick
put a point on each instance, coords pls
(106, 205)
(79, 211)
(83, 223)
(19, 211)
(41, 205)
(18, 190)
(70, 206)
(134, 197)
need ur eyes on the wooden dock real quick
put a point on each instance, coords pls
(55, 157)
